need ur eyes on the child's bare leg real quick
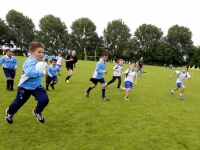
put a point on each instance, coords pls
(175, 89)
(128, 91)
(183, 89)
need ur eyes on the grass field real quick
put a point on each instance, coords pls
(151, 120)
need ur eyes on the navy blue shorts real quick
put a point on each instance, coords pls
(23, 95)
(49, 79)
(9, 73)
(179, 84)
(128, 84)
(95, 81)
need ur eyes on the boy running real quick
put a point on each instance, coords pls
(98, 76)
(131, 74)
(30, 84)
(182, 75)
(52, 71)
(9, 63)
(70, 60)
(117, 73)
(59, 62)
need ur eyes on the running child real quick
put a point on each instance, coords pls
(117, 73)
(182, 75)
(9, 64)
(52, 75)
(98, 76)
(131, 74)
(59, 62)
(30, 84)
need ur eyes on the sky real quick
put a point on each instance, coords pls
(161, 13)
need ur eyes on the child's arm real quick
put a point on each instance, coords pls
(126, 72)
(2, 60)
(188, 77)
(49, 70)
(16, 64)
(30, 71)
(172, 74)
(115, 68)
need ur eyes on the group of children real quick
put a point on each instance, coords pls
(31, 80)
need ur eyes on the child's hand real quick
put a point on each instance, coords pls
(15, 68)
(106, 71)
(51, 76)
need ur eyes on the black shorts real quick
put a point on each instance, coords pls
(69, 68)
(95, 81)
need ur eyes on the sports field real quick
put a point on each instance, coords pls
(151, 120)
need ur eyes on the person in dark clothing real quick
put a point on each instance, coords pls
(70, 61)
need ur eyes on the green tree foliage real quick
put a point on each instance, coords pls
(179, 39)
(6, 35)
(53, 33)
(84, 38)
(117, 39)
(23, 28)
(148, 37)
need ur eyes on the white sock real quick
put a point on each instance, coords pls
(181, 94)
(172, 90)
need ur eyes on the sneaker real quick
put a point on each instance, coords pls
(126, 98)
(86, 94)
(12, 89)
(7, 89)
(59, 74)
(9, 118)
(171, 92)
(105, 99)
(39, 116)
(181, 97)
(47, 89)
(67, 81)
(52, 86)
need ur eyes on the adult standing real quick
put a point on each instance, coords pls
(140, 66)
(70, 61)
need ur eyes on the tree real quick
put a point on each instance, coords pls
(6, 35)
(84, 38)
(148, 37)
(53, 33)
(23, 28)
(180, 39)
(117, 39)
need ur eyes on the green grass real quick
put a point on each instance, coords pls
(151, 120)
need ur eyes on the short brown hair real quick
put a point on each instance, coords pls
(184, 66)
(34, 45)
(8, 50)
(104, 54)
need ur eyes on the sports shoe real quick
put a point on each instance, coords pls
(12, 89)
(181, 97)
(171, 92)
(52, 86)
(9, 118)
(126, 98)
(105, 99)
(86, 94)
(39, 116)
(67, 81)
(7, 89)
